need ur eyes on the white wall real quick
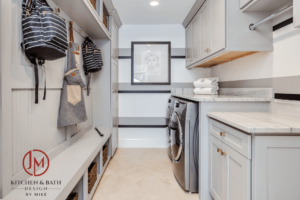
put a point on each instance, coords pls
(282, 62)
(150, 105)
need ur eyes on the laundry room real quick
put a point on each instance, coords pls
(149, 99)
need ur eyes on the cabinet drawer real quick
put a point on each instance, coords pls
(235, 139)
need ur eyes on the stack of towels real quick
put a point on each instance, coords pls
(206, 86)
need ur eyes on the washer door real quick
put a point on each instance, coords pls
(176, 137)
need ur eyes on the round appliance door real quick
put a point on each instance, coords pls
(176, 137)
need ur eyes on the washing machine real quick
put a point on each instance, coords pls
(170, 110)
(185, 144)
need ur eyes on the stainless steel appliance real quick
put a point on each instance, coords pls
(185, 144)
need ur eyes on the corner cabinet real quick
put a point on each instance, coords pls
(219, 33)
(271, 173)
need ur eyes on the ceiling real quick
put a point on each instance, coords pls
(140, 12)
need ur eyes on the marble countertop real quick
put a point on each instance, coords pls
(222, 98)
(259, 122)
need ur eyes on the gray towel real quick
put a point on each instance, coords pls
(72, 107)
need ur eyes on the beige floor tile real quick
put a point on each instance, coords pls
(140, 174)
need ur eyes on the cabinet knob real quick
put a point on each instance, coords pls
(222, 133)
(223, 153)
(208, 50)
(218, 150)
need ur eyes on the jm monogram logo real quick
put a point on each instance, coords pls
(33, 162)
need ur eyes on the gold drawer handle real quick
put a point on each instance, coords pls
(223, 153)
(222, 133)
(218, 150)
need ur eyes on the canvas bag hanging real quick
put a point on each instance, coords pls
(92, 58)
(44, 35)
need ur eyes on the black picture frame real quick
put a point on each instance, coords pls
(132, 63)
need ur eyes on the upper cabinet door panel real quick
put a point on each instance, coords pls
(189, 44)
(205, 29)
(196, 38)
(218, 25)
(243, 3)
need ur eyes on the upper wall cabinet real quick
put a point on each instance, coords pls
(262, 5)
(219, 33)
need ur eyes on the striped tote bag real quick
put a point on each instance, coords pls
(44, 36)
(44, 32)
(92, 57)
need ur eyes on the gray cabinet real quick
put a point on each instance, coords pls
(114, 40)
(219, 33)
(115, 103)
(189, 44)
(205, 33)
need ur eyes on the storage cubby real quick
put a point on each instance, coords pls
(105, 17)
(78, 189)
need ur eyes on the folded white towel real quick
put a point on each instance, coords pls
(206, 90)
(206, 82)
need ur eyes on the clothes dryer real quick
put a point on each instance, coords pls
(185, 144)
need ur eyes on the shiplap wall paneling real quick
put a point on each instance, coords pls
(24, 125)
(34, 125)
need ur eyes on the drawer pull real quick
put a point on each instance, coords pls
(223, 153)
(222, 133)
(218, 150)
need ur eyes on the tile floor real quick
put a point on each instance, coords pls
(140, 174)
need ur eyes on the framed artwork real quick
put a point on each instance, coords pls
(151, 63)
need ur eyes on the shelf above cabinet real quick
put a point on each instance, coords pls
(83, 13)
(262, 5)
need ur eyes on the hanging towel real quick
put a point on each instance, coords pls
(206, 82)
(72, 107)
(206, 90)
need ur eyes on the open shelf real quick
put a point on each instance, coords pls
(87, 18)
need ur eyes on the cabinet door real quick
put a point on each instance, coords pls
(205, 29)
(196, 38)
(216, 168)
(236, 175)
(276, 168)
(218, 21)
(189, 44)
(115, 41)
(114, 103)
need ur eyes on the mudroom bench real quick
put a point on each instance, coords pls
(69, 171)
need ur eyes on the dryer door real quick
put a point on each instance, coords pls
(176, 137)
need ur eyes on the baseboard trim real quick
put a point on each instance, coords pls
(137, 143)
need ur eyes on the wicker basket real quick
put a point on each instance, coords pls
(105, 154)
(105, 20)
(73, 196)
(94, 3)
(92, 176)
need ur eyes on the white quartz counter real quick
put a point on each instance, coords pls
(259, 122)
(222, 98)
